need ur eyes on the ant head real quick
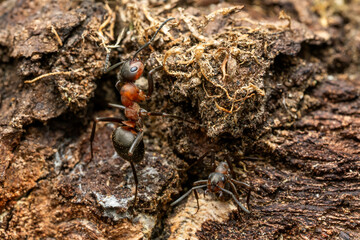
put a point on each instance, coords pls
(131, 70)
(223, 168)
(215, 181)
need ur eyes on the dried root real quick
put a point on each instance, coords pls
(68, 73)
(58, 39)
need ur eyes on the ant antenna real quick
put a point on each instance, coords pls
(153, 37)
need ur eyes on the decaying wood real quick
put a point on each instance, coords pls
(278, 82)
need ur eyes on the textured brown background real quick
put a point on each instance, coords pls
(301, 127)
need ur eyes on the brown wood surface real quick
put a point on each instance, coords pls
(276, 91)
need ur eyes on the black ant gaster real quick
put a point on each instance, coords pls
(128, 138)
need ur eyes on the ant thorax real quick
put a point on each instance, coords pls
(130, 93)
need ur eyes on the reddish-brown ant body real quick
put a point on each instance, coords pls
(128, 138)
(219, 182)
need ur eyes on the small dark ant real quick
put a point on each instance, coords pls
(219, 182)
(128, 139)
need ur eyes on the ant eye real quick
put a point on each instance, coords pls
(133, 69)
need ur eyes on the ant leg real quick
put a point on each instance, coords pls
(247, 186)
(186, 194)
(202, 158)
(136, 182)
(230, 164)
(116, 106)
(101, 119)
(197, 201)
(114, 66)
(242, 184)
(150, 80)
(234, 198)
(136, 142)
(107, 60)
(237, 195)
(160, 114)
(234, 188)
(200, 182)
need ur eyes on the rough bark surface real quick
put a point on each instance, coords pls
(277, 91)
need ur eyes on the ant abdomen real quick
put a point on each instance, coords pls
(122, 140)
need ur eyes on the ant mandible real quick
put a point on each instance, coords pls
(128, 138)
(219, 182)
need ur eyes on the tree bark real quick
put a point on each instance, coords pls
(273, 86)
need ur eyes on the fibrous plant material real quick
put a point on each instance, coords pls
(224, 61)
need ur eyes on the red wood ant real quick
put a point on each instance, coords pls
(128, 138)
(219, 182)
